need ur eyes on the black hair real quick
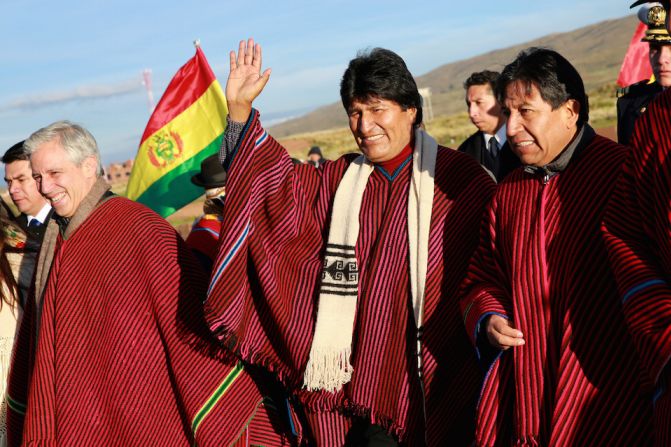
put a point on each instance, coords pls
(15, 153)
(482, 78)
(555, 78)
(380, 73)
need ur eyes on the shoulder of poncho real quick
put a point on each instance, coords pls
(340, 164)
(604, 152)
(129, 216)
(660, 103)
(459, 168)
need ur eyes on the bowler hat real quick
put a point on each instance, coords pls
(211, 175)
(315, 150)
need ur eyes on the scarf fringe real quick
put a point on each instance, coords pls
(328, 369)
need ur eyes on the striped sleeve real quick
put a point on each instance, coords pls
(641, 282)
(260, 293)
(484, 291)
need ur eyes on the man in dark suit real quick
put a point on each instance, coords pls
(35, 210)
(488, 145)
(636, 97)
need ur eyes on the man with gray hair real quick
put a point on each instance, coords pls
(121, 352)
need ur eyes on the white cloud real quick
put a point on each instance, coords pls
(84, 92)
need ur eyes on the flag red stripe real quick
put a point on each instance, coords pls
(189, 84)
(635, 66)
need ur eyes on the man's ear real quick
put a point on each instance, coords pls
(571, 112)
(413, 113)
(90, 165)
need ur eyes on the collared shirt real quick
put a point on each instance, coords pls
(500, 136)
(41, 216)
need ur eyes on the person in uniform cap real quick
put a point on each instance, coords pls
(636, 232)
(204, 234)
(637, 96)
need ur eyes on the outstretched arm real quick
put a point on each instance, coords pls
(245, 80)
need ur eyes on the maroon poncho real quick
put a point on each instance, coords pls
(124, 357)
(263, 294)
(542, 264)
(638, 234)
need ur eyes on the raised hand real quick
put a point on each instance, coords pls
(245, 81)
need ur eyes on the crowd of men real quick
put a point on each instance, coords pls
(512, 292)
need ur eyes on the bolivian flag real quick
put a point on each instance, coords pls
(186, 127)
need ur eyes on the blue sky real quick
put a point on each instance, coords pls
(82, 60)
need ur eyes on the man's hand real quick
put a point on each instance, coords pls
(501, 334)
(245, 81)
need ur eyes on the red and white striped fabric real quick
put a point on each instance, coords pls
(263, 290)
(637, 230)
(542, 263)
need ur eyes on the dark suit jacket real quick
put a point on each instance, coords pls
(35, 235)
(497, 167)
(631, 105)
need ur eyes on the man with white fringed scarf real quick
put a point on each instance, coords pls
(343, 280)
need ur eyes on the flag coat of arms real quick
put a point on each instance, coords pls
(186, 127)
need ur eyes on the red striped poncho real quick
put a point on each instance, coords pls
(542, 264)
(124, 357)
(637, 230)
(263, 295)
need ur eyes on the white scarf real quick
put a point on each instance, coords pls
(329, 366)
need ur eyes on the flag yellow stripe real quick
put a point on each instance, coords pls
(197, 127)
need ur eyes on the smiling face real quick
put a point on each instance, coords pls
(22, 187)
(62, 182)
(380, 127)
(660, 61)
(537, 134)
(483, 109)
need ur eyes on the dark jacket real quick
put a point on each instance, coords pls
(497, 167)
(35, 234)
(631, 105)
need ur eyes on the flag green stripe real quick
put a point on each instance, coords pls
(174, 190)
(214, 398)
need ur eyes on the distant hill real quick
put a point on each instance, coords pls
(596, 51)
